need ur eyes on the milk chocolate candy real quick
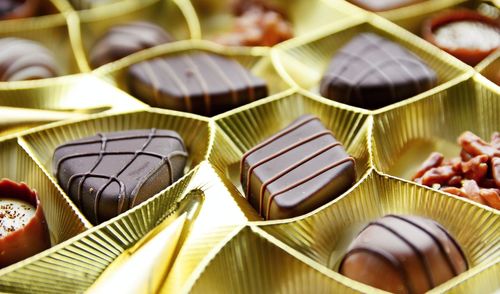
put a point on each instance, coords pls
(403, 254)
(383, 5)
(14, 9)
(199, 83)
(296, 170)
(373, 72)
(110, 173)
(125, 39)
(22, 59)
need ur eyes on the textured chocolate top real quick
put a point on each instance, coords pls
(372, 72)
(473, 35)
(199, 83)
(22, 59)
(382, 5)
(125, 39)
(296, 170)
(109, 173)
(403, 254)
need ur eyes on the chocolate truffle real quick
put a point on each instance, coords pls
(383, 5)
(13, 9)
(199, 83)
(465, 34)
(403, 254)
(22, 60)
(110, 173)
(23, 229)
(125, 39)
(373, 72)
(296, 170)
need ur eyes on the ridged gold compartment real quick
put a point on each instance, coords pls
(239, 130)
(490, 67)
(215, 17)
(194, 130)
(302, 61)
(63, 219)
(34, 103)
(404, 137)
(325, 234)
(74, 265)
(256, 60)
(165, 13)
(252, 261)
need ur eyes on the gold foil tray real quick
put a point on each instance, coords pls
(302, 61)
(490, 67)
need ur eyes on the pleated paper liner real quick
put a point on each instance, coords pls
(63, 219)
(303, 61)
(239, 130)
(405, 136)
(167, 14)
(216, 17)
(255, 60)
(324, 235)
(33, 103)
(73, 266)
(194, 130)
(221, 211)
(490, 67)
(252, 261)
(413, 19)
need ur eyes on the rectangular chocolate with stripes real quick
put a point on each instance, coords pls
(296, 170)
(200, 83)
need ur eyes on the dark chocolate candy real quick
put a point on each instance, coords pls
(22, 59)
(372, 72)
(199, 83)
(383, 5)
(296, 170)
(110, 173)
(125, 39)
(403, 254)
(13, 9)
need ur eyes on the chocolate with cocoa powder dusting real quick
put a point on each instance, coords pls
(475, 174)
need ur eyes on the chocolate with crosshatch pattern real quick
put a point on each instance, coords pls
(199, 83)
(296, 170)
(110, 173)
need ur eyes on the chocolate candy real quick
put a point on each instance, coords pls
(372, 72)
(403, 254)
(200, 83)
(125, 39)
(296, 170)
(88, 4)
(13, 9)
(110, 173)
(383, 5)
(23, 229)
(22, 59)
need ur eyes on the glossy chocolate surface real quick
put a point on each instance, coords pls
(296, 170)
(373, 72)
(110, 173)
(199, 83)
(403, 254)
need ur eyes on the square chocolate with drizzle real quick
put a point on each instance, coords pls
(110, 173)
(296, 170)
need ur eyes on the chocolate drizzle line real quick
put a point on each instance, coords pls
(223, 76)
(201, 81)
(114, 178)
(170, 72)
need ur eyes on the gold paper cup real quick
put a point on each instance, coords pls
(215, 17)
(325, 234)
(254, 262)
(72, 267)
(38, 102)
(405, 136)
(490, 68)
(256, 60)
(194, 130)
(303, 61)
(239, 130)
(63, 219)
(167, 14)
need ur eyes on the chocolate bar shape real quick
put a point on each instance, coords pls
(296, 170)
(373, 72)
(383, 5)
(110, 173)
(199, 83)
